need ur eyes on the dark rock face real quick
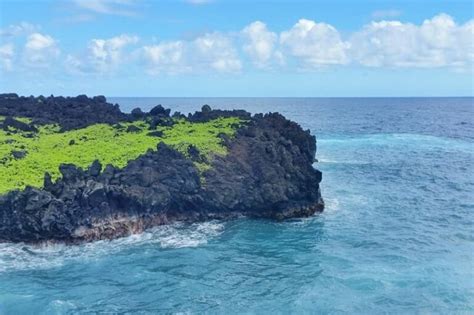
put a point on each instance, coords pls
(159, 111)
(267, 173)
(207, 114)
(9, 122)
(70, 112)
(133, 129)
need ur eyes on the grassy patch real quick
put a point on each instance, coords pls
(47, 149)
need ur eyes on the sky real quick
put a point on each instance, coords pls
(182, 48)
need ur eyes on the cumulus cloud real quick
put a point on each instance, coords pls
(260, 44)
(40, 50)
(166, 57)
(102, 55)
(437, 42)
(316, 44)
(207, 53)
(7, 52)
(217, 52)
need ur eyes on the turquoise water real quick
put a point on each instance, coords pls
(397, 235)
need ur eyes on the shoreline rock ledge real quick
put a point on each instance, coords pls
(267, 173)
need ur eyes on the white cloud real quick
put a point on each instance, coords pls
(167, 57)
(217, 52)
(316, 44)
(102, 55)
(40, 50)
(212, 52)
(113, 7)
(23, 28)
(260, 44)
(307, 45)
(437, 42)
(7, 52)
(74, 65)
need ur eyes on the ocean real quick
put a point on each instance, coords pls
(397, 235)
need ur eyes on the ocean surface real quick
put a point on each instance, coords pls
(397, 235)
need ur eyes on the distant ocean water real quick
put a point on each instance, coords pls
(397, 235)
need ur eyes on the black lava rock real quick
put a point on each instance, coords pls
(68, 112)
(18, 154)
(133, 128)
(206, 108)
(156, 133)
(160, 111)
(267, 173)
(137, 113)
(16, 124)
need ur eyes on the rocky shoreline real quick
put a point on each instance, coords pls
(267, 173)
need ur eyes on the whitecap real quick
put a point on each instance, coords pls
(331, 204)
(419, 141)
(45, 256)
(179, 235)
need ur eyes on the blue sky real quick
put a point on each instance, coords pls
(237, 48)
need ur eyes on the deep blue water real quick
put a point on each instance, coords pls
(397, 235)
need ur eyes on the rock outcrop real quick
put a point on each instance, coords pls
(69, 112)
(267, 173)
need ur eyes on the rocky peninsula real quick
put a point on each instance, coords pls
(76, 169)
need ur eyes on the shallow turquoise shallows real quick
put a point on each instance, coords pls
(397, 235)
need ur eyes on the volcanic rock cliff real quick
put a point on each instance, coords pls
(267, 172)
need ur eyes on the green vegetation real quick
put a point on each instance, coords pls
(48, 148)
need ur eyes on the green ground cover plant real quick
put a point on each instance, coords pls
(45, 150)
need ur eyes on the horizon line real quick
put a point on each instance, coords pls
(434, 96)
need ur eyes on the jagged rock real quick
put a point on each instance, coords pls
(206, 108)
(9, 96)
(137, 113)
(133, 128)
(156, 133)
(68, 112)
(204, 116)
(16, 124)
(95, 168)
(18, 154)
(178, 115)
(159, 111)
(160, 121)
(99, 99)
(267, 173)
(47, 183)
(195, 155)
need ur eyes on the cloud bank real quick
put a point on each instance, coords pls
(438, 42)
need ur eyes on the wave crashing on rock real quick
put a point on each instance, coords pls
(259, 166)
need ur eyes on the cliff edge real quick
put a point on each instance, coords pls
(212, 164)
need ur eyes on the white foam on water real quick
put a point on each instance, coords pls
(323, 160)
(331, 204)
(60, 307)
(419, 141)
(178, 235)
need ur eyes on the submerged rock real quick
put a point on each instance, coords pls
(267, 173)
